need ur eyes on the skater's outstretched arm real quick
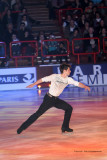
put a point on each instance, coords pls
(81, 85)
(35, 83)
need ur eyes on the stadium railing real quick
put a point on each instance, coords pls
(85, 46)
(105, 44)
(2, 50)
(23, 49)
(55, 47)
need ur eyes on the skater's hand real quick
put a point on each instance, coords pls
(87, 88)
(30, 86)
(35, 83)
(81, 85)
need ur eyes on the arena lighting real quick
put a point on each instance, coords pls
(39, 91)
(39, 86)
(49, 85)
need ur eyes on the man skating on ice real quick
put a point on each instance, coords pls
(58, 83)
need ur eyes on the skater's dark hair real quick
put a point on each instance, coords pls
(64, 66)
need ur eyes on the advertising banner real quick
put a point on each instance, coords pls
(92, 75)
(17, 78)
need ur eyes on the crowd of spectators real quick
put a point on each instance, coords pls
(82, 19)
(16, 25)
(90, 23)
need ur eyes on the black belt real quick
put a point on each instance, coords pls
(51, 95)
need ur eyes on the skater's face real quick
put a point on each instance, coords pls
(67, 72)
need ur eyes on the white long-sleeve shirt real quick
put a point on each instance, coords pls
(58, 83)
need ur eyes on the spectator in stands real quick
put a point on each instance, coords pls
(76, 34)
(44, 48)
(93, 48)
(26, 22)
(8, 35)
(29, 18)
(41, 32)
(73, 25)
(15, 46)
(85, 30)
(52, 46)
(28, 48)
(101, 25)
(78, 44)
(89, 8)
(27, 36)
(68, 31)
(66, 21)
(91, 34)
(21, 31)
(102, 40)
(7, 18)
(94, 10)
(88, 18)
(81, 21)
(97, 22)
(102, 10)
(61, 51)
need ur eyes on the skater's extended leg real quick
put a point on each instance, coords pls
(60, 104)
(42, 109)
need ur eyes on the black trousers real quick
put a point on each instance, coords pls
(49, 102)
